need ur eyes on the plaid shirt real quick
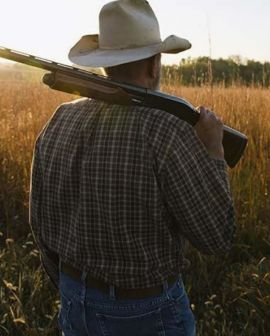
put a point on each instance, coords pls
(119, 190)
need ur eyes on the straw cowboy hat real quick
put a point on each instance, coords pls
(129, 31)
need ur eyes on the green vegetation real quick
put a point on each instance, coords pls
(201, 71)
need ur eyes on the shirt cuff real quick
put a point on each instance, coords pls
(220, 163)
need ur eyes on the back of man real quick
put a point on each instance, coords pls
(104, 174)
(106, 199)
(116, 192)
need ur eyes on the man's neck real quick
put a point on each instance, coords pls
(137, 82)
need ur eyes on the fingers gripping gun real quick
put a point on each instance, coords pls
(84, 83)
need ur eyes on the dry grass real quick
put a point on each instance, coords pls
(229, 294)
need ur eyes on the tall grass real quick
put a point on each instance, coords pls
(230, 295)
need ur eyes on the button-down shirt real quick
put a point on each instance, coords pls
(118, 191)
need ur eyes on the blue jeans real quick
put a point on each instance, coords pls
(89, 312)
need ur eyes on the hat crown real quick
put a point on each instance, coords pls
(128, 24)
(128, 32)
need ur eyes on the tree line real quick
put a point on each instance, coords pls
(205, 71)
(194, 72)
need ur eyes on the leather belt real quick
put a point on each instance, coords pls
(120, 293)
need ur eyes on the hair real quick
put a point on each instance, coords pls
(128, 71)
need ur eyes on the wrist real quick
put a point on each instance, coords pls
(216, 153)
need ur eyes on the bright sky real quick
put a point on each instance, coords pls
(49, 28)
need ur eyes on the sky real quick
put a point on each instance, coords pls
(216, 28)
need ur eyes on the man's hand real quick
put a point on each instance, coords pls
(209, 129)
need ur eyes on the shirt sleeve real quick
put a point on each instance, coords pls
(49, 259)
(197, 194)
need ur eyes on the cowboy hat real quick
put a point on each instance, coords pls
(129, 31)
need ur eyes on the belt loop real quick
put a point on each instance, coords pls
(83, 276)
(83, 291)
(112, 292)
(59, 265)
(165, 289)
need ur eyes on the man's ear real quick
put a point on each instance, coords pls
(153, 66)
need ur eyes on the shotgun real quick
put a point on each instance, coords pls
(77, 81)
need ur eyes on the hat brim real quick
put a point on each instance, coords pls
(87, 53)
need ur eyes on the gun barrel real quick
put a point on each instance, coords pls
(38, 62)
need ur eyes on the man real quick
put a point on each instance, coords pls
(117, 190)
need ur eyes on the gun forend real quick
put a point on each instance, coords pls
(82, 87)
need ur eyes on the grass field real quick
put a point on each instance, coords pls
(230, 294)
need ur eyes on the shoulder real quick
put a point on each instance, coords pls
(162, 123)
(74, 104)
(165, 134)
(61, 113)
(66, 110)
